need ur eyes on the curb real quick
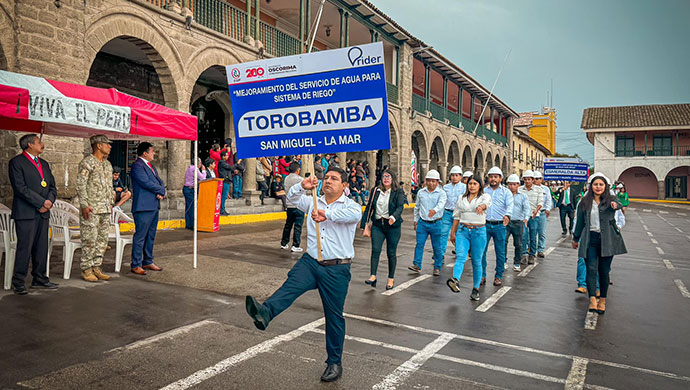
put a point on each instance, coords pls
(225, 220)
(659, 201)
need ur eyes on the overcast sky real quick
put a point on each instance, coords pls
(598, 52)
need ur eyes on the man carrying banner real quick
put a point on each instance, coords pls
(338, 217)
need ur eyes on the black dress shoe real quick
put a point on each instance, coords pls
(21, 290)
(332, 373)
(45, 286)
(257, 312)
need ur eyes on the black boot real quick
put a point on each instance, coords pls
(332, 373)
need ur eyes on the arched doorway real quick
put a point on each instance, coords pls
(210, 102)
(125, 63)
(389, 158)
(479, 163)
(504, 167)
(437, 156)
(489, 161)
(453, 157)
(420, 157)
(640, 182)
(467, 159)
(676, 183)
(497, 161)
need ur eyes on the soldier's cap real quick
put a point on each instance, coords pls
(117, 170)
(100, 139)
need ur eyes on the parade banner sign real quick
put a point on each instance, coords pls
(324, 102)
(568, 169)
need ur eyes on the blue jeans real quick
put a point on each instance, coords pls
(466, 240)
(224, 196)
(498, 233)
(354, 196)
(237, 186)
(582, 273)
(145, 224)
(188, 207)
(447, 222)
(425, 229)
(541, 242)
(332, 283)
(529, 238)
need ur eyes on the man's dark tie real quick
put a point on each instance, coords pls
(36, 159)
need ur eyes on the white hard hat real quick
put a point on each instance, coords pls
(620, 185)
(467, 174)
(513, 179)
(599, 174)
(433, 174)
(528, 173)
(495, 171)
(456, 169)
(537, 175)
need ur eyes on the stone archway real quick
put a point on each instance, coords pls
(640, 182)
(677, 183)
(419, 148)
(504, 166)
(453, 157)
(390, 157)
(489, 161)
(497, 160)
(210, 102)
(467, 164)
(437, 157)
(7, 41)
(479, 163)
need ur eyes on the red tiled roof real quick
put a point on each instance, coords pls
(636, 116)
(525, 119)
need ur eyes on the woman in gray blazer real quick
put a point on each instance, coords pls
(598, 237)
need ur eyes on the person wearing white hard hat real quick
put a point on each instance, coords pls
(497, 218)
(597, 237)
(428, 211)
(544, 213)
(466, 176)
(518, 220)
(468, 233)
(453, 190)
(535, 195)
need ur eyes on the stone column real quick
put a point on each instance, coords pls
(177, 165)
(249, 190)
(661, 189)
(342, 157)
(371, 158)
(443, 172)
(422, 169)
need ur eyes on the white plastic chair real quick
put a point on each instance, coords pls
(120, 240)
(9, 242)
(59, 224)
(73, 215)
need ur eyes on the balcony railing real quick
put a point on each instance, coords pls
(651, 151)
(392, 93)
(418, 103)
(437, 111)
(232, 22)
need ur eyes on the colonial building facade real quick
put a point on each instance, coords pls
(175, 52)
(646, 147)
(528, 152)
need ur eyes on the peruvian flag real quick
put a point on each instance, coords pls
(35, 104)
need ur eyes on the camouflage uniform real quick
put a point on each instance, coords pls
(95, 190)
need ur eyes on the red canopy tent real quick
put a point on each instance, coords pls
(38, 105)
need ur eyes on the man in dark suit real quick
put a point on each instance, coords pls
(148, 190)
(566, 201)
(34, 193)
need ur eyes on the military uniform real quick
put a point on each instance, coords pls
(95, 190)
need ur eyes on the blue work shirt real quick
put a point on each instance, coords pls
(521, 209)
(501, 203)
(427, 201)
(453, 192)
(548, 200)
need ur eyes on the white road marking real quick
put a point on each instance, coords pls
(679, 231)
(548, 251)
(683, 214)
(398, 376)
(669, 265)
(650, 234)
(663, 212)
(683, 290)
(506, 370)
(591, 320)
(165, 335)
(450, 265)
(405, 285)
(647, 210)
(226, 364)
(577, 374)
(688, 237)
(596, 387)
(516, 347)
(560, 240)
(632, 208)
(661, 251)
(493, 299)
(527, 270)
(654, 241)
(645, 227)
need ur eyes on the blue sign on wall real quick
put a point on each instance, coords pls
(568, 169)
(324, 102)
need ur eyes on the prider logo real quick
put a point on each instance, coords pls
(355, 55)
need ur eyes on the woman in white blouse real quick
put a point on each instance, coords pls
(469, 219)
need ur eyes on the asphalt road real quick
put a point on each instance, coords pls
(533, 333)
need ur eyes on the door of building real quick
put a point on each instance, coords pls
(676, 187)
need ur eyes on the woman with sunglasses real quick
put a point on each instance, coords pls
(381, 221)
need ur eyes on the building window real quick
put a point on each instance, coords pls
(625, 146)
(663, 145)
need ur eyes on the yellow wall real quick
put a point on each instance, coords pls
(543, 129)
(528, 149)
